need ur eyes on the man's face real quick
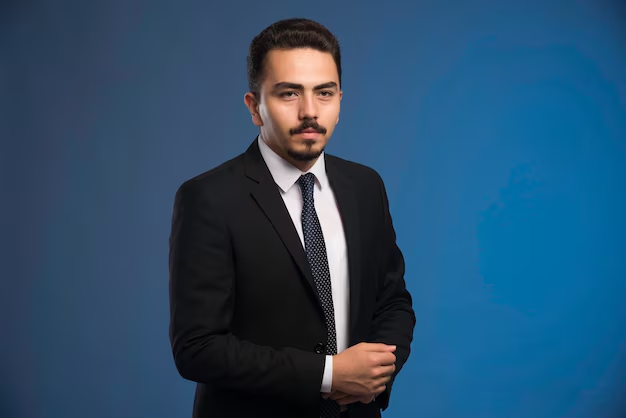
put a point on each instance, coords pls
(297, 107)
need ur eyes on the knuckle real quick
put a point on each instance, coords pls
(371, 359)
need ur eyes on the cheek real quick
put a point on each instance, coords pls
(281, 117)
(332, 111)
(331, 118)
(269, 112)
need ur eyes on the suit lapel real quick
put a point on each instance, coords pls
(346, 198)
(266, 194)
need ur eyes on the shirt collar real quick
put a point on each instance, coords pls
(286, 174)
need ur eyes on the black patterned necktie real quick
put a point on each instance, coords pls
(318, 260)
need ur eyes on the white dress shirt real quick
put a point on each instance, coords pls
(286, 176)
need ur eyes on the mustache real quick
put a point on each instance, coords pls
(308, 124)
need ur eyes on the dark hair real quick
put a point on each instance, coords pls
(289, 34)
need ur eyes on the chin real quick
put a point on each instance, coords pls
(306, 153)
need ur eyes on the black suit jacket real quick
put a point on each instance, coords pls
(246, 321)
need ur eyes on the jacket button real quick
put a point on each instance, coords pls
(320, 348)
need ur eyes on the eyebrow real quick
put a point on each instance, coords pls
(294, 86)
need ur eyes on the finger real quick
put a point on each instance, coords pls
(384, 359)
(386, 370)
(380, 347)
(379, 386)
(380, 390)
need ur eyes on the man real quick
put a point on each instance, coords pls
(287, 293)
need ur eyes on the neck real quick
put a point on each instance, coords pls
(303, 166)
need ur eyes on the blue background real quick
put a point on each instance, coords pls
(499, 128)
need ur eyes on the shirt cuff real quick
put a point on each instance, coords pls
(327, 380)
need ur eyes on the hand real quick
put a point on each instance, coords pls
(363, 370)
(345, 399)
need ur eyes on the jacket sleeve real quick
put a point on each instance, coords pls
(202, 298)
(394, 318)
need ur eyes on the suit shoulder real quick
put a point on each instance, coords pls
(213, 180)
(357, 171)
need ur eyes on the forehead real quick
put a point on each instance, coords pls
(302, 66)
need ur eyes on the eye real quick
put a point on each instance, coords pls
(288, 94)
(326, 93)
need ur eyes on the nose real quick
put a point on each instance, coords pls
(308, 107)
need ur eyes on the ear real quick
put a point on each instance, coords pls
(340, 97)
(250, 99)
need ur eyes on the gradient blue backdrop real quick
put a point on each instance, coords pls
(498, 126)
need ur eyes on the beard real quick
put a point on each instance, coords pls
(308, 154)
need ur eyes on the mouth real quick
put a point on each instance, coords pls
(309, 134)
(309, 130)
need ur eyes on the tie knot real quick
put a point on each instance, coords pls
(307, 181)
